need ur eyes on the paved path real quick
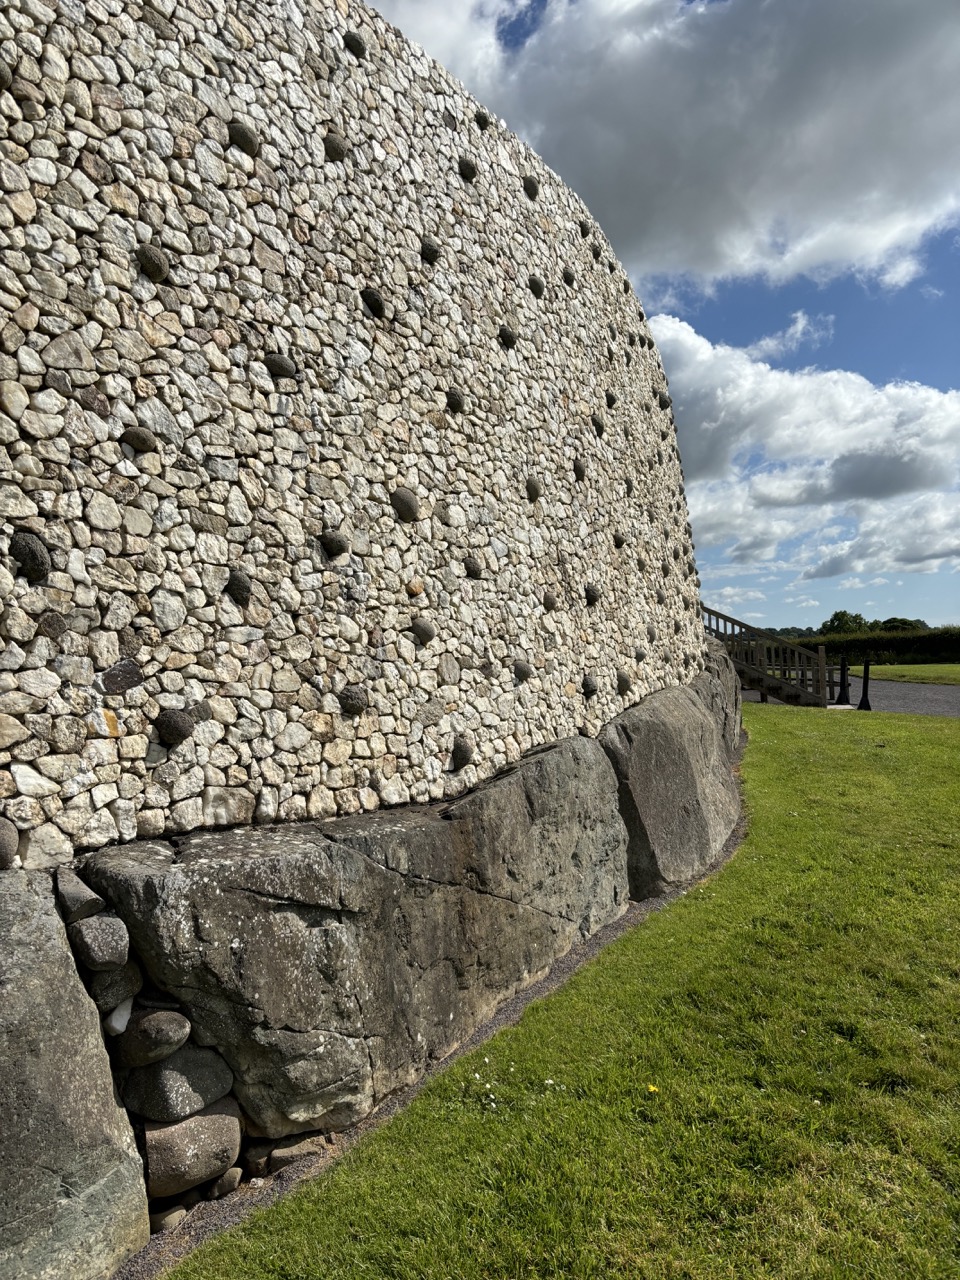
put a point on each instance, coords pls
(894, 695)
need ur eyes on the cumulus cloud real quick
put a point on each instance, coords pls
(722, 140)
(852, 477)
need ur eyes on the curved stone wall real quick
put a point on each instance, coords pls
(338, 464)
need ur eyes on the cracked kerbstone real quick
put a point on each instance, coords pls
(244, 137)
(174, 727)
(31, 555)
(154, 262)
(406, 504)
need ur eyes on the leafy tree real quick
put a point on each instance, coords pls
(842, 622)
(903, 624)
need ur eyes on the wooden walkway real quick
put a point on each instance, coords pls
(777, 668)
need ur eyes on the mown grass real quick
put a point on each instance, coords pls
(922, 673)
(760, 1081)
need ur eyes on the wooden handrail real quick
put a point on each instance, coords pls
(772, 663)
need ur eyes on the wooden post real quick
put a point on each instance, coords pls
(822, 674)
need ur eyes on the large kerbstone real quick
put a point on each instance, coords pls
(329, 963)
(678, 796)
(72, 1199)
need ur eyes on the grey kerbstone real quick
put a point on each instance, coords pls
(177, 1086)
(75, 899)
(150, 1036)
(72, 1201)
(184, 1154)
(100, 942)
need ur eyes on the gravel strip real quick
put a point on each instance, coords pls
(894, 695)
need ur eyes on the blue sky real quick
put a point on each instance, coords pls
(781, 178)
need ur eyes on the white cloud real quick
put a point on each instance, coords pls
(802, 331)
(729, 140)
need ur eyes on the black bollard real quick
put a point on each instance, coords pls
(843, 694)
(864, 703)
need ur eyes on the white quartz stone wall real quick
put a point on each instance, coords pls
(500, 371)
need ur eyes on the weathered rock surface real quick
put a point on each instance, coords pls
(184, 1154)
(332, 962)
(678, 797)
(152, 1035)
(178, 1086)
(72, 1201)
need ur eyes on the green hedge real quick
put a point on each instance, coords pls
(942, 644)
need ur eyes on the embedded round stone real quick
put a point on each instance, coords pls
(334, 543)
(173, 727)
(430, 250)
(154, 263)
(467, 169)
(536, 286)
(624, 683)
(619, 540)
(279, 365)
(639, 654)
(31, 555)
(9, 842)
(462, 752)
(549, 601)
(597, 422)
(239, 587)
(353, 699)
(406, 504)
(139, 439)
(372, 299)
(664, 400)
(455, 400)
(595, 250)
(472, 567)
(335, 146)
(423, 629)
(6, 77)
(534, 488)
(522, 672)
(243, 136)
(110, 987)
(611, 399)
(568, 276)
(123, 675)
(651, 633)
(580, 469)
(482, 118)
(51, 625)
(591, 593)
(354, 43)
(179, 1085)
(629, 485)
(150, 1036)
(531, 186)
(590, 686)
(584, 227)
(507, 336)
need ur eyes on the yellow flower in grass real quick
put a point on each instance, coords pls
(652, 1088)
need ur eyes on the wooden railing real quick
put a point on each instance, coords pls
(772, 665)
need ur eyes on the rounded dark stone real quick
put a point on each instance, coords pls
(51, 625)
(591, 593)
(423, 629)
(597, 422)
(534, 488)
(624, 683)
(123, 675)
(9, 837)
(335, 146)
(111, 987)
(531, 186)
(651, 633)
(629, 485)
(595, 250)
(584, 227)
(455, 400)
(580, 469)
(243, 136)
(611, 399)
(151, 1036)
(429, 249)
(239, 586)
(640, 654)
(467, 169)
(154, 263)
(664, 400)
(536, 286)
(677, 626)
(568, 276)
(31, 555)
(626, 286)
(482, 118)
(6, 77)
(353, 699)
(523, 671)
(462, 752)
(279, 365)
(177, 1086)
(619, 540)
(406, 504)
(590, 686)
(89, 397)
(354, 43)
(507, 336)
(372, 299)
(550, 601)
(140, 439)
(334, 543)
(472, 567)
(173, 727)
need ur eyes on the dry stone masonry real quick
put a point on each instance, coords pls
(351, 661)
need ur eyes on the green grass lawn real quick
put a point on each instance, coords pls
(760, 1081)
(922, 673)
